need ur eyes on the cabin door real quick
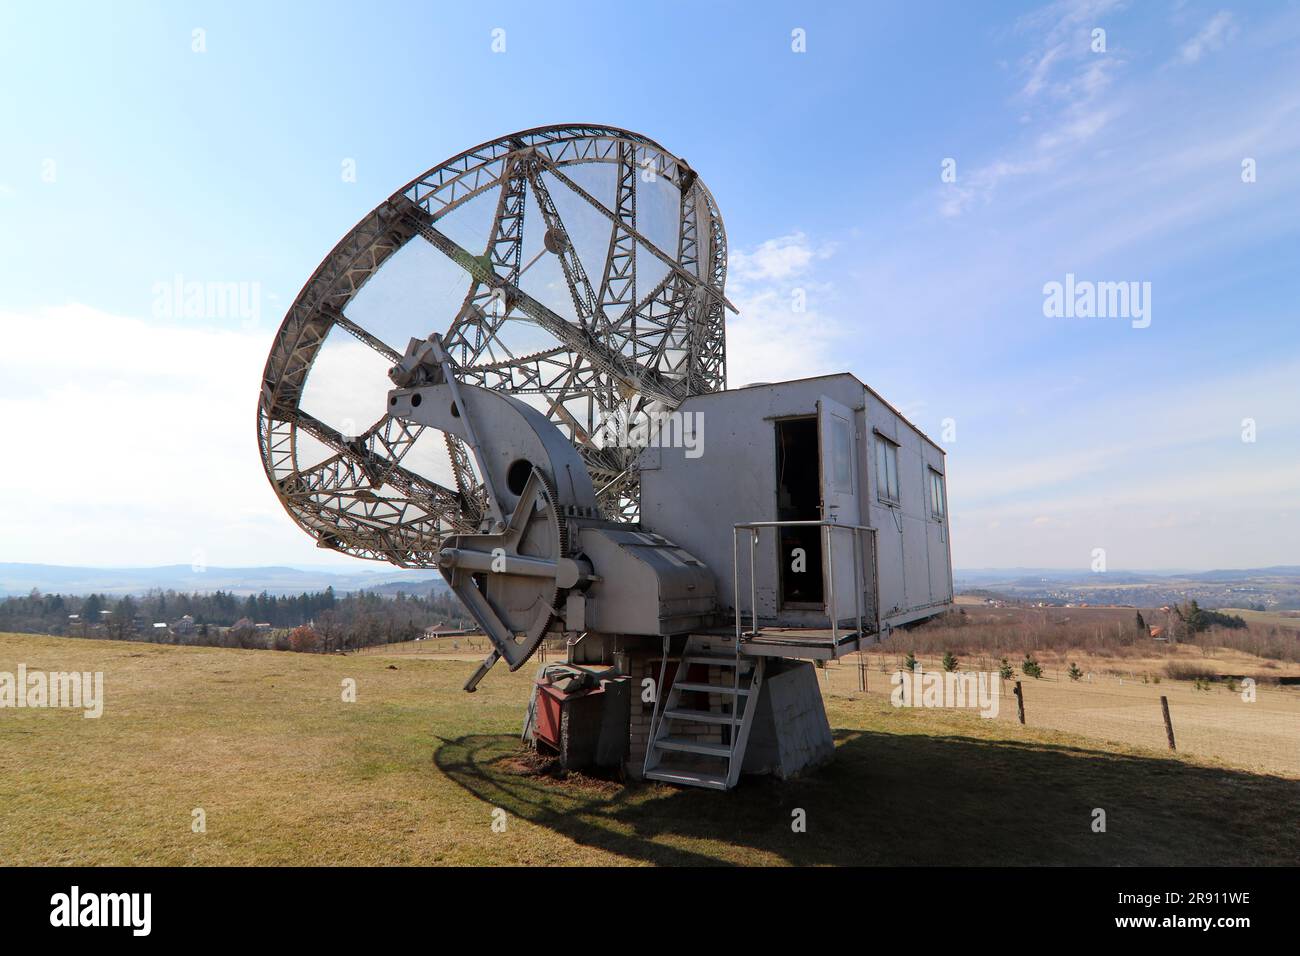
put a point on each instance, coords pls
(837, 444)
(799, 498)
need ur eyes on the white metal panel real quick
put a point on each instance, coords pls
(938, 537)
(837, 447)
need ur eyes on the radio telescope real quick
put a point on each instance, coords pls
(579, 269)
(481, 377)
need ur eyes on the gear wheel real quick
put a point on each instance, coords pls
(511, 579)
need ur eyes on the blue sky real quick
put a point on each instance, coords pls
(129, 158)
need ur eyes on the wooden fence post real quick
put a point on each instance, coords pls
(1169, 726)
(1020, 702)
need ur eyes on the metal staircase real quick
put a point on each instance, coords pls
(675, 756)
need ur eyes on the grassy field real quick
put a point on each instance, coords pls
(1289, 619)
(1117, 703)
(410, 773)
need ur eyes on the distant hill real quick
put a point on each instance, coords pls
(16, 579)
(1264, 589)
(978, 576)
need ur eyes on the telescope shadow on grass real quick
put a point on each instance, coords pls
(914, 799)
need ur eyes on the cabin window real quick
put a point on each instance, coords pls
(936, 495)
(841, 455)
(886, 470)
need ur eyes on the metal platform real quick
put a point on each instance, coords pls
(799, 643)
(802, 643)
(811, 643)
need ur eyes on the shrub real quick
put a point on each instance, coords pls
(1183, 670)
(909, 662)
(1074, 673)
(950, 663)
(1030, 667)
(243, 634)
(304, 640)
(1005, 670)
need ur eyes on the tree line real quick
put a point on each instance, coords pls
(327, 621)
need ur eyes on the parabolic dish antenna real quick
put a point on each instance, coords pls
(578, 268)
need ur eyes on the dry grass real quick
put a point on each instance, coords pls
(1286, 619)
(1117, 703)
(1188, 670)
(410, 774)
(1097, 631)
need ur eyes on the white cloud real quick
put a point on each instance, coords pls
(769, 342)
(784, 330)
(980, 185)
(1213, 36)
(1041, 67)
(776, 259)
(134, 442)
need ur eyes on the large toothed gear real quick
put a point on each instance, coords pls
(514, 580)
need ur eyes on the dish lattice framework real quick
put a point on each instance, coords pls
(624, 353)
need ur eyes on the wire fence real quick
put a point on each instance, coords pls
(1255, 728)
(447, 642)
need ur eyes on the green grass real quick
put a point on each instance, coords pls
(410, 774)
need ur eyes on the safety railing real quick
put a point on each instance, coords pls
(753, 528)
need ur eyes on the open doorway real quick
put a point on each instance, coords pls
(798, 498)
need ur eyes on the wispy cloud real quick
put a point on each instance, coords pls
(1040, 69)
(1164, 472)
(1218, 30)
(1110, 171)
(1063, 92)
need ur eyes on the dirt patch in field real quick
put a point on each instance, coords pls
(530, 763)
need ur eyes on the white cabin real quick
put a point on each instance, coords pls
(812, 474)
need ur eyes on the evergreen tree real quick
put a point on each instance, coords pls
(90, 609)
(123, 617)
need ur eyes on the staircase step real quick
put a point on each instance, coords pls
(693, 746)
(690, 778)
(700, 716)
(714, 661)
(709, 688)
